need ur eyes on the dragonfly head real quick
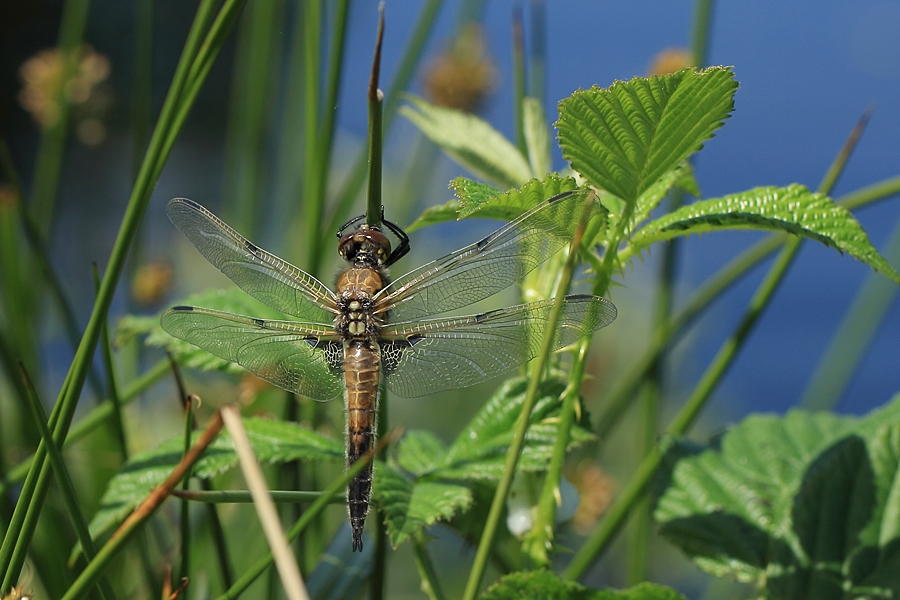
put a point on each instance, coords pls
(365, 244)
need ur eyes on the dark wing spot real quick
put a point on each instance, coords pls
(484, 242)
(482, 317)
(312, 341)
(251, 248)
(259, 322)
(560, 196)
(183, 308)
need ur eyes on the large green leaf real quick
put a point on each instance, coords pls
(546, 585)
(230, 300)
(804, 505)
(623, 139)
(792, 209)
(409, 505)
(272, 441)
(470, 141)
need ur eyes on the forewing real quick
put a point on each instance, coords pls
(264, 276)
(484, 268)
(299, 357)
(442, 354)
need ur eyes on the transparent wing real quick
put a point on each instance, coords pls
(264, 276)
(299, 357)
(484, 268)
(442, 354)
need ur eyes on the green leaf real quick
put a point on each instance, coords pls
(682, 177)
(231, 300)
(476, 201)
(483, 201)
(433, 215)
(472, 194)
(623, 139)
(471, 142)
(792, 209)
(409, 505)
(537, 136)
(434, 490)
(803, 504)
(546, 585)
(419, 451)
(835, 502)
(480, 450)
(272, 442)
(885, 449)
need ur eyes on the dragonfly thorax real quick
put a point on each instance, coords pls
(356, 288)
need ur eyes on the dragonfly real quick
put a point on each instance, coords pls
(369, 327)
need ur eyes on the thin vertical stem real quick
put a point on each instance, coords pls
(714, 373)
(703, 12)
(64, 480)
(537, 65)
(375, 98)
(19, 534)
(518, 50)
(411, 56)
(112, 383)
(518, 441)
(313, 199)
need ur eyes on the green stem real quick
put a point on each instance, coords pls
(171, 119)
(109, 366)
(537, 65)
(218, 540)
(539, 543)
(312, 513)
(703, 12)
(313, 199)
(64, 481)
(243, 496)
(93, 419)
(515, 448)
(141, 514)
(142, 86)
(430, 584)
(376, 139)
(185, 520)
(378, 577)
(620, 509)
(411, 56)
(332, 88)
(714, 373)
(625, 387)
(256, 63)
(854, 335)
(518, 52)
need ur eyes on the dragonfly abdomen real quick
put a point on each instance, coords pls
(362, 363)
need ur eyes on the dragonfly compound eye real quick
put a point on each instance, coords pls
(366, 243)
